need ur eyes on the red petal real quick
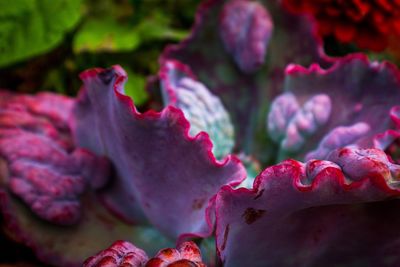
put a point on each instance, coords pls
(345, 32)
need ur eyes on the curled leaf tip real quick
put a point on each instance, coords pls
(246, 28)
(107, 75)
(366, 163)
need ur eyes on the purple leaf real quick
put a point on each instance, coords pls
(362, 163)
(359, 108)
(43, 167)
(70, 246)
(321, 213)
(289, 124)
(203, 110)
(339, 137)
(246, 28)
(246, 95)
(121, 253)
(282, 111)
(161, 169)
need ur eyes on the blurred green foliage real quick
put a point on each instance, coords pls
(135, 87)
(44, 44)
(31, 27)
(121, 27)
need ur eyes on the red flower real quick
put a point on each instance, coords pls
(368, 23)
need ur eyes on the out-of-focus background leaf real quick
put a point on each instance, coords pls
(107, 31)
(44, 44)
(25, 28)
(108, 35)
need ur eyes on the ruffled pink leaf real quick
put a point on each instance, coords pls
(339, 212)
(242, 28)
(187, 254)
(44, 168)
(161, 170)
(353, 103)
(123, 254)
(120, 254)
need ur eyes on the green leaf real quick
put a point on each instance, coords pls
(105, 34)
(32, 27)
(157, 27)
(135, 87)
(108, 34)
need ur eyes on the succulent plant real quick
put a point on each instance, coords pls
(250, 88)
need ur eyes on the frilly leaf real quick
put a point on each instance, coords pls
(161, 170)
(122, 253)
(245, 95)
(321, 213)
(203, 110)
(359, 108)
(366, 163)
(186, 254)
(44, 169)
(29, 28)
